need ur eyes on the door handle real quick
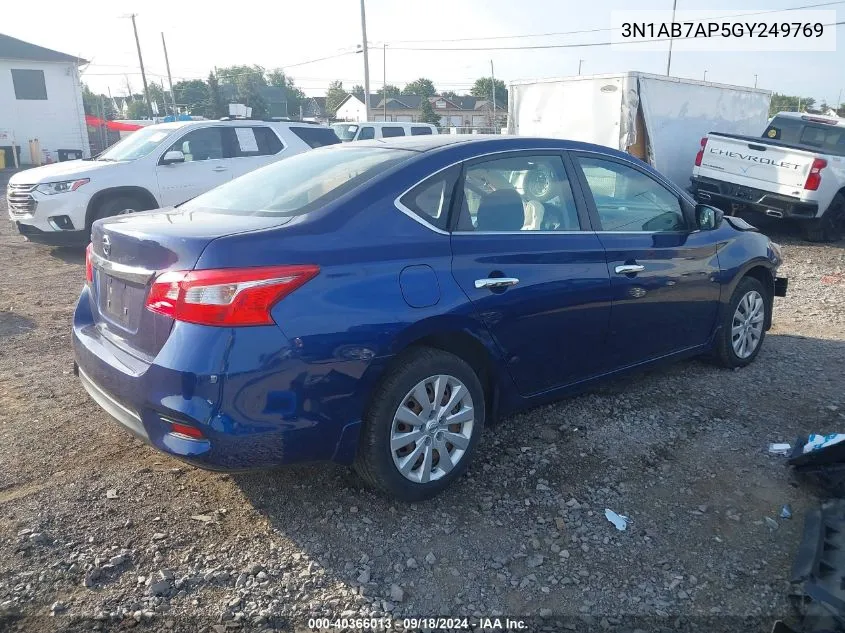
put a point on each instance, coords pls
(627, 269)
(496, 282)
(219, 168)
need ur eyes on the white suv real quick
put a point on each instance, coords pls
(157, 166)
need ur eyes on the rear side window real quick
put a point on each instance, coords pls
(420, 131)
(316, 136)
(251, 141)
(391, 130)
(430, 200)
(366, 134)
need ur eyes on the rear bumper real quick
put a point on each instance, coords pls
(725, 195)
(256, 404)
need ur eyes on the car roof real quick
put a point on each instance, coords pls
(381, 123)
(486, 143)
(173, 125)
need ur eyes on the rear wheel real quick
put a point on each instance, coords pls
(831, 226)
(423, 425)
(744, 327)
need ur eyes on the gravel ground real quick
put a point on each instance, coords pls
(99, 532)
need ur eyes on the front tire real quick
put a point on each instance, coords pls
(118, 205)
(744, 325)
(422, 426)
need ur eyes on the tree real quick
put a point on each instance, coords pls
(334, 97)
(482, 88)
(389, 90)
(358, 91)
(293, 95)
(790, 103)
(98, 105)
(427, 113)
(247, 81)
(422, 87)
(159, 98)
(449, 94)
(137, 110)
(192, 95)
(214, 106)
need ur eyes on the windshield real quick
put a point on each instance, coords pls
(136, 145)
(300, 183)
(345, 131)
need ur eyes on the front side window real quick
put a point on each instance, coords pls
(520, 193)
(202, 144)
(420, 131)
(29, 85)
(301, 183)
(345, 131)
(628, 200)
(391, 130)
(366, 134)
(431, 198)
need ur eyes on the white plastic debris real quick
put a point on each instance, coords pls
(816, 441)
(779, 449)
(786, 512)
(619, 521)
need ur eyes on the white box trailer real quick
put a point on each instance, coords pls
(653, 117)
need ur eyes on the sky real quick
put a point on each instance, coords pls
(286, 33)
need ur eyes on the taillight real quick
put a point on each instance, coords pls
(187, 431)
(226, 297)
(700, 156)
(89, 264)
(814, 178)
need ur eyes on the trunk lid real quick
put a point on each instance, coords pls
(755, 162)
(130, 251)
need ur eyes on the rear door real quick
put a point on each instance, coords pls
(204, 168)
(526, 256)
(249, 147)
(664, 275)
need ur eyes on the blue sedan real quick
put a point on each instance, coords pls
(381, 303)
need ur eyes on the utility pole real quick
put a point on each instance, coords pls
(384, 79)
(141, 62)
(493, 90)
(705, 75)
(755, 80)
(366, 62)
(669, 61)
(580, 61)
(169, 78)
(838, 102)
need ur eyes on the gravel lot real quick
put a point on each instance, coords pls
(98, 531)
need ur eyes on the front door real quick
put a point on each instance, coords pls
(525, 255)
(205, 166)
(664, 275)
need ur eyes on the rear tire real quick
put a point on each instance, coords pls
(744, 325)
(829, 227)
(417, 470)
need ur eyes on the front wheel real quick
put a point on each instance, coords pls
(422, 426)
(744, 326)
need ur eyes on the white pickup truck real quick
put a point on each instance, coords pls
(796, 170)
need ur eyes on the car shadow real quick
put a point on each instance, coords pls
(433, 549)
(784, 231)
(69, 254)
(12, 324)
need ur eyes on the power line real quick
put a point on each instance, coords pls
(598, 30)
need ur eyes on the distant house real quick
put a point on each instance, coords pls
(275, 98)
(40, 98)
(314, 109)
(460, 112)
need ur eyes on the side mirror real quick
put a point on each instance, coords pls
(172, 157)
(708, 218)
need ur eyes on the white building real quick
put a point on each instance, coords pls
(40, 98)
(354, 109)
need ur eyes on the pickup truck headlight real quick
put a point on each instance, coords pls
(52, 188)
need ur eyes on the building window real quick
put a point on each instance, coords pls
(29, 85)
(440, 103)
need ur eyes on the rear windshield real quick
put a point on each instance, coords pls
(345, 131)
(823, 137)
(300, 183)
(316, 136)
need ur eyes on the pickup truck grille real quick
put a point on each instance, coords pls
(19, 199)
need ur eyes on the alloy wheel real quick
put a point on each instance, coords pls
(432, 428)
(747, 324)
